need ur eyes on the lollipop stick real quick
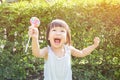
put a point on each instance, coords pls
(27, 45)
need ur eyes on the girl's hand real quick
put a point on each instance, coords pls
(96, 41)
(33, 32)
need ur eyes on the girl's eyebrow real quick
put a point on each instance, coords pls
(53, 29)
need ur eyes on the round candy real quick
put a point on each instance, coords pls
(35, 21)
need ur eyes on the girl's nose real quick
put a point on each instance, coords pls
(58, 32)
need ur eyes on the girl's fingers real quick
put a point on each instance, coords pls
(97, 39)
(32, 31)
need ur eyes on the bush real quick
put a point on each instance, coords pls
(85, 22)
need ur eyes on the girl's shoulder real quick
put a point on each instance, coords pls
(72, 49)
(44, 52)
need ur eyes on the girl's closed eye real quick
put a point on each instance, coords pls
(53, 30)
(63, 31)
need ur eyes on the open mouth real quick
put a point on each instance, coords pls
(57, 40)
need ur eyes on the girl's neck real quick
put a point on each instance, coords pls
(59, 52)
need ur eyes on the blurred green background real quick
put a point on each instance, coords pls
(86, 18)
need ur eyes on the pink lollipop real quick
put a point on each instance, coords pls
(34, 21)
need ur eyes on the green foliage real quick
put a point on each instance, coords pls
(85, 21)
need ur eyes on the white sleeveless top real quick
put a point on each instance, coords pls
(58, 68)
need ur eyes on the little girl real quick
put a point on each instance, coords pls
(57, 54)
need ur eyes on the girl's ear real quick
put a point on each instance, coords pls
(66, 40)
(48, 38)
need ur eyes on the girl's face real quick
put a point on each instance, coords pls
(57, 36)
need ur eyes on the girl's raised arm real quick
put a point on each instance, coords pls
(86, 51)
(36, 51)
